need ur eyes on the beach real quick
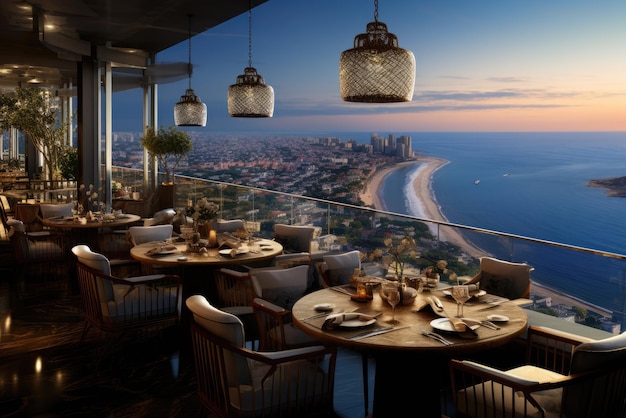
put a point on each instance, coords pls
(427, 202)
(428, 205)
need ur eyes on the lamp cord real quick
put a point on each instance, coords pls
(249, 34)
(189, 53)
(375, 10)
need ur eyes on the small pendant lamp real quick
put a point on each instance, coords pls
(250, 97)
(376, 70)
(190, 111)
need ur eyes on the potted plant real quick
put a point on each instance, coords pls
(168, 146)
(32, 111)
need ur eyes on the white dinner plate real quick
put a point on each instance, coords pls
(227, 252)
(324, 307)
(444, 324)
(164, 252)
(474, 295)
(497, 318)
(357, 323)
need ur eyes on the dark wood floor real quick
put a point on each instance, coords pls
(45, 372)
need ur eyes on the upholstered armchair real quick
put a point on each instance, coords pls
(142, 234)
(235, 293)
(234, 381)
(294, 238)
(565, 376)
(228, 226)
(503, 278)
(336, 269)
(161, 217)
(115, 304)
(277, 291)
(37, 252)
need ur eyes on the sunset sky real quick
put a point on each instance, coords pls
(482, 65)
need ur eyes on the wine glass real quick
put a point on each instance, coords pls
(393, 298)
(461, 294)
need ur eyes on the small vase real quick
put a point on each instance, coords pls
(203, 227)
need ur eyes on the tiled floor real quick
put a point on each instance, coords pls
(45, 372)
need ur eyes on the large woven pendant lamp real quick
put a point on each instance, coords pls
(190, 111)
(376, 70)
(250, 97)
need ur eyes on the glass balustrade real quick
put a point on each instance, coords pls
(596, 280)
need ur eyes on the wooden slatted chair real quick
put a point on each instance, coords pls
(116, 305)
(565, 376)
(234, 381)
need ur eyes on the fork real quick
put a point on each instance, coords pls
(435, 336)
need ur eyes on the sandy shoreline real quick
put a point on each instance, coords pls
(422, 187)
(428, 204)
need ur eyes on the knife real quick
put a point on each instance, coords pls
(375, 332)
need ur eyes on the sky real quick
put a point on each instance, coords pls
(481, 65)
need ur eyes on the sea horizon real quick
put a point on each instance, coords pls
(533, 185)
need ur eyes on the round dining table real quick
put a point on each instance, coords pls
(83, 231)
(411, 368)
(177, 254)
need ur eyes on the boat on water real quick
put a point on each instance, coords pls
(476, 181)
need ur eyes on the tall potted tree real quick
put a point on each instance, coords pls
(168, 146)
(32, 111)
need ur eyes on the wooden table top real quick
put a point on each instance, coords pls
(68, 222)
(412, 319)
(258, 250)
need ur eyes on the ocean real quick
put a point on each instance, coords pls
(534, 185)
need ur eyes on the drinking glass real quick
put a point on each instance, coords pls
(461, 294)
(393, 298)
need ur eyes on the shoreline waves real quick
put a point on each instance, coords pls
(423, 204)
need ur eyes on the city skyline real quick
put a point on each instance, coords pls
(481, 66)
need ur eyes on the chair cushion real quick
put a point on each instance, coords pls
(497, 285)
(340, 267)
(550, 400)
(294, 238)
(282, 287)
(220, 323)
(142, 234)
(49, 210)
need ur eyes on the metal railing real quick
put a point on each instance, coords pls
(595, 279)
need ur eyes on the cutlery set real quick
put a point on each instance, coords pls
(435, 336)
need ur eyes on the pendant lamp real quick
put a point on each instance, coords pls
(376, 70)
(250, 97)
(190, 111)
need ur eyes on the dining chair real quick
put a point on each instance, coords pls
(277, 290)
(234, 381)
(138, 235)
(228, 226)
(141, 234)
(294, 238)
(116, 305)
(49, 210)
(336, 269)
(503, 278)
(37, 253)
(565, 375)
(235, 293)
(4, 202)
(161, 217)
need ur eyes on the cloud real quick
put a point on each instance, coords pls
(506, 79)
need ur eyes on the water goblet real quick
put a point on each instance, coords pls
(461, 294)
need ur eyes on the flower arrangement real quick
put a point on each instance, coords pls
(203, 210)
(88, 200)
(397, 254)
(116, 185)
(439, 268)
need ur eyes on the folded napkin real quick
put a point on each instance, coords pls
(226, 242)
(160, 249)
(334, 320)
(463, 326)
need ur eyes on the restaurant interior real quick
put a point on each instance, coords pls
(158, 348)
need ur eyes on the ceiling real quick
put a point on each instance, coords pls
(41, 41)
